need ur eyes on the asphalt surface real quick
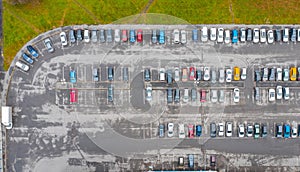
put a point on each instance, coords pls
(97, 135)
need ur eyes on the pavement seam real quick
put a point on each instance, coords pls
(87, 11)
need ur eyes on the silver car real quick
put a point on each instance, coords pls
(117, 35)
(214, 96)
(94, 36)
(48, 45)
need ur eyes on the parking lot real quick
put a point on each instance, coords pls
(92, 128)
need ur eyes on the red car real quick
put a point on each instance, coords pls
(191, 131)
(73, 95)
(192, 73)
(139, 35)
(203, 96)
(124, 36)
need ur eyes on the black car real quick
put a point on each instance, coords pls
(264, 130)
(249, 34)
(198, 75)
(278, 35)
(147, 75)
(177, 96)
(213, 130)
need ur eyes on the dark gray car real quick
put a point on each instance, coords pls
(249, 34)
(154, 36)
(272, 74)
(177, 95)
(72, 36)
(278, 35)
(110, 74)
(257, 75)
(194, 94)
(110, 92)
(213, 129)
(95, 75)
(94, 36)
(109, 35)
(125, 74)
(293, 34)
(102, 35)
(79, 35)
(169, 77)
(169, 95)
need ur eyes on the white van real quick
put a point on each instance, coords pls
(86, 35)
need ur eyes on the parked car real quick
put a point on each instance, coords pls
(72, 36)
(257, 94)
(117, 35)
(195, 35)
(206, 74)
(147, 75)
(294, 131)
(32, 51)
(161, 39)
(154, 37)
(244, 73)
(285, 35)
(73, 95)
(213, 76)
(78, 35)
(298, 70)
(176, 35)
(95, 75)
(270, 36)
(256, 131)
(249, 34)
(236, 95)
(22, 66)
(221, 75)
(162, 74)
(213, 130)
(255, 35)
(191, 131)
(264, 130)
(192, 73)
(227, 36)
(177, 95)
(287, 131)
(241, 132)
(184, 76)
(27, 58)
(220, 35)
(229, 129)
(148, 92)
(49, 46)
(132, 36)
(257, 75)
(214, 96)
(285, 74)
(293, 74)
(109, 37)
(278, 35)
(203, 96)
(271, 95)
(279, 92)
(169, 77)
(191, 161)
(198, 74)
(73, 76)
(213, 34)
(213, 161)
(279, 130)
(221, 96)
(139, 35)
(86, 36)
(293, 34)
(279, 74)
(228, 75)
(181, 131)
(94, 36)
(125, 74)
(198, 130)
(298, 35)
(102, 35)
(249, 130)
(221, 129)
(204, 34)
(243, 34)
(263, 35)
(272, 74)
(180, 162)
(124, 36)
(110, 94)
(194, 94)
(265, 74)
(236, 73)
(234, 36)
(185, 95)
(169, 95)
(183, 36)
(161, 130)
(286, 93)
(170, 129)
(176, 74)
(110, 73)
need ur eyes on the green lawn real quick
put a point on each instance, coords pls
(23, 22)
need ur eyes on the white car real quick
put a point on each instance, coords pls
(162, 74)
(204, 34)
(241, 130)
(270, 36)
(263, 35)
(228, 129)
(181, 131)
(249, 130)
(228, 75)
(63, 38)
(279, 74)
(170, 129)
(176, 74)
(286, 93)
(285, 35)
(176, 36)
(22, 66)
(298, 35)
(213, 34)
(243, 35)
(236, 95)
(279, 92)
(149, 92)
(294, 131)
(86, 36)
(244, 73)
(220, 35)
(271, 95)
(255, 35)
(221, 129)
(117, 35)
(221, 75)
(227, 36)
(206, 74)
(185, 95)
(214, 96)
(183, 36)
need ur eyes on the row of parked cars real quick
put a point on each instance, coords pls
(199, 74)
(190, 160)
(28, 58)
(279, 93)
(193, 130)
(287, 131)
(272, 74)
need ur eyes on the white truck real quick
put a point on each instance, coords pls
(7, 117)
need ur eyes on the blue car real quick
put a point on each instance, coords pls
(287, 131)
(27, 58)
(198, 130)
(195, 35)
(72, 76)
(191, 161)
(234, 36)
(32, 51)
(161, 37)
(132, 36)
(161, 130)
